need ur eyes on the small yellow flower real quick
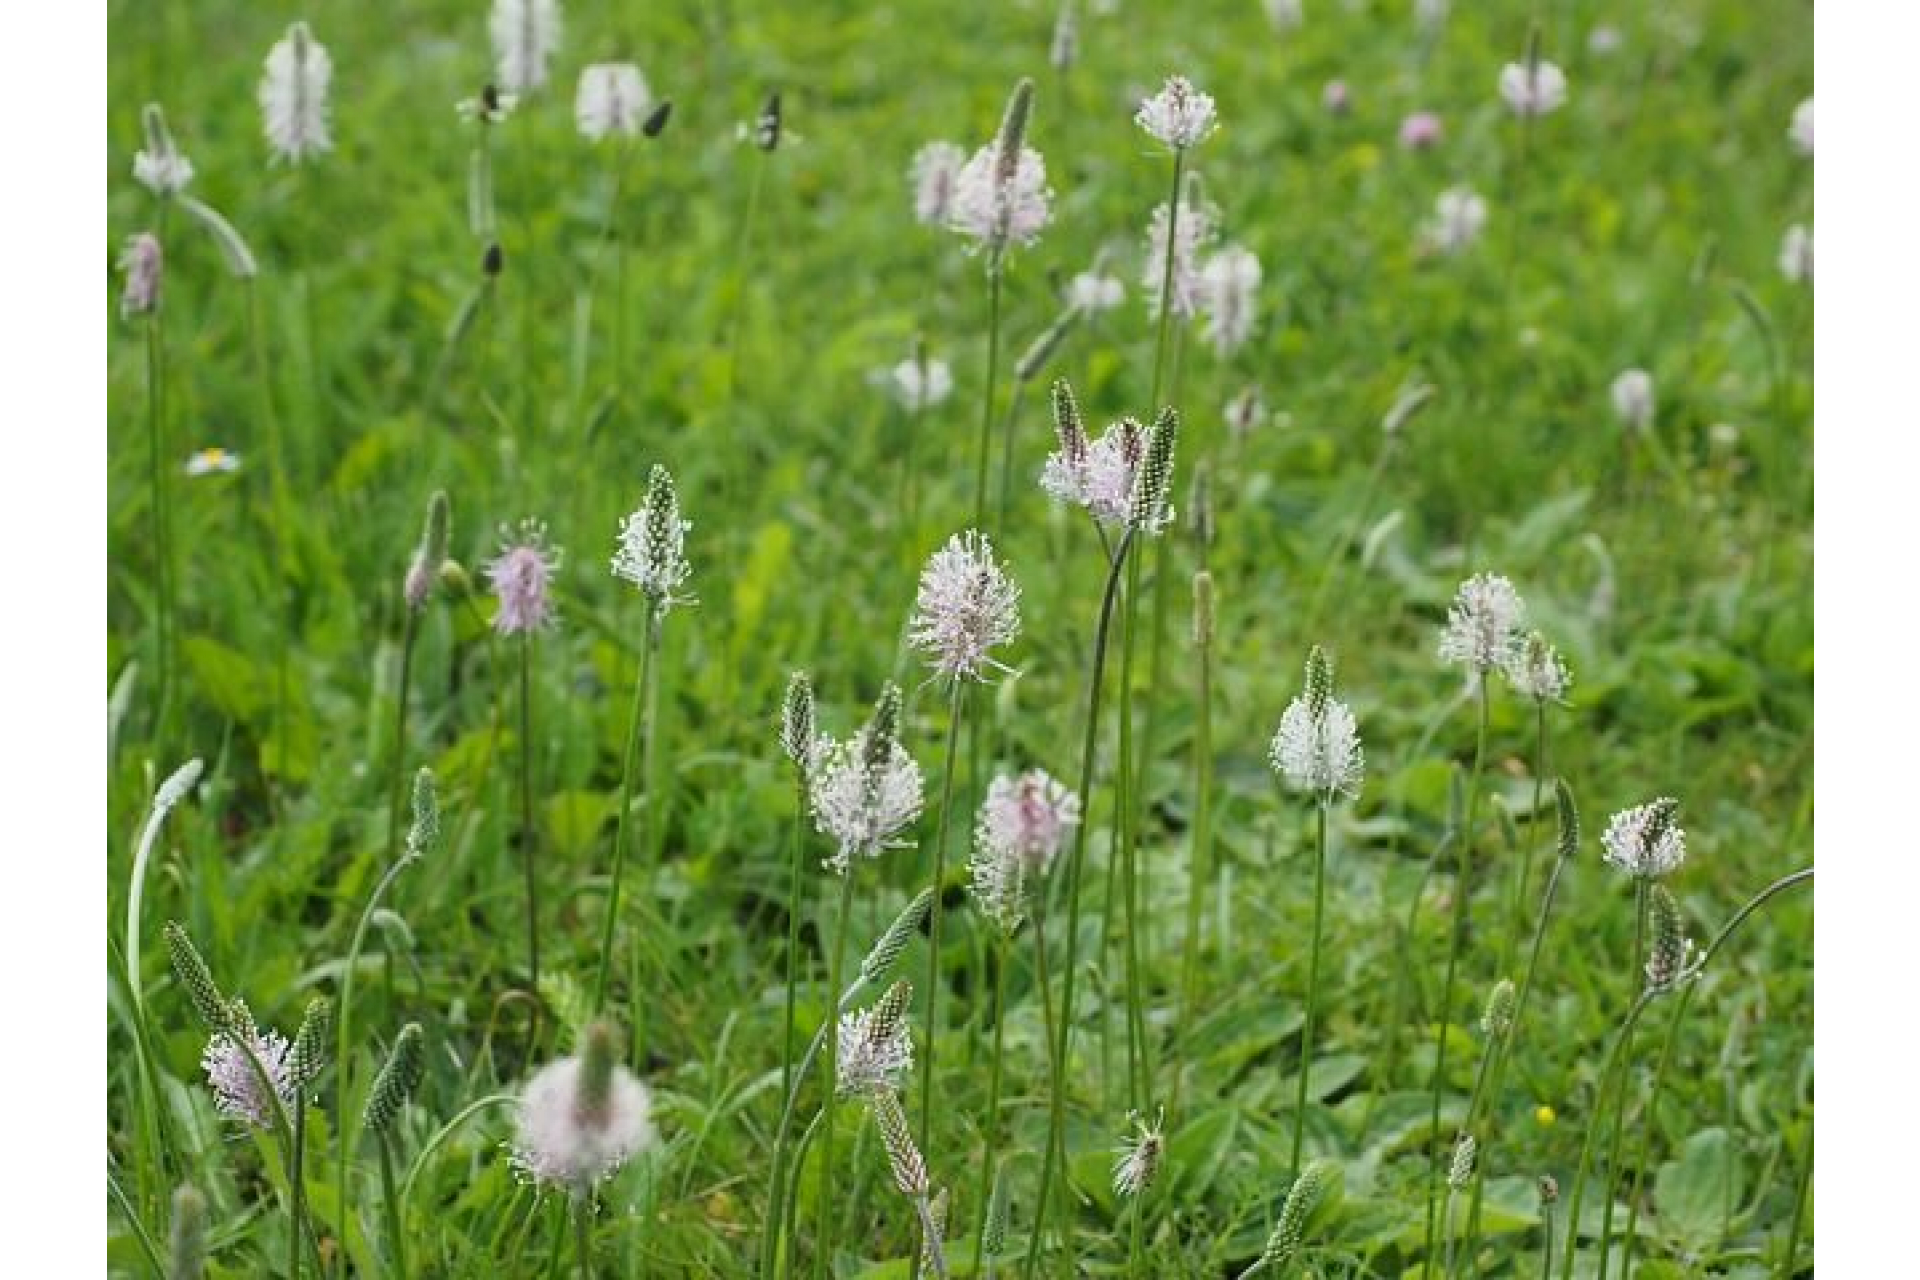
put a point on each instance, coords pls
(1543, 1116)
(213, 461)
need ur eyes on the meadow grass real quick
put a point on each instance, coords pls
(260, 624)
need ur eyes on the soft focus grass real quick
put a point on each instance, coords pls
(1679, 584)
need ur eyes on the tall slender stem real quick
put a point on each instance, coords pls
(277, 485)
(397, 788)
(1524, 873)
(823, 1202)
(1313, 981)
(396, 1235)
(161, 501)
(639, 725)
(1463, 877)
(1120, 868)
(794, 890)
(956, 712)
(1199, 874)
(1614, 1059)
(526, 810)
(297, 1182)
(988, 1160)
(987, 396)
(583, 1235)
(1056, 1119)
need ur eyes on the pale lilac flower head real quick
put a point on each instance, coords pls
(1193, 230)
(612, 98)
(1646, 841)
(936, 175)
(1421, 130)
(875, 1046)
(293, 96)
(1336, 98)
(1483, 623)
(1796, 254)
(1286, 15)
(1533, 89)
(1534, 668)
(1459, 215)
(141, 261)
(1604, 39)
(996, 211)
(1228, 283)
(1094, 291)
(918, 383)
(522, 581)
(1179, 115)
(563, 1140)
(1801, 130)
(1245, 412)
(1633, 399)
(1022, 825)
(652, 551)
(160, 166)
(967, 607)
(867, 790)
(524, 33)
(1098, 474)
(238, 1089)
(1431, 14)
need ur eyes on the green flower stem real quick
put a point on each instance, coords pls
(956, 713)
(526, 811)
(1523, 879)
(1056, 1119)
(794, 889)
(639, 725)
(396, 1234)
(1199, 875)
(986, 410)
(445, 1132)
(791, 1207)
(296, 1183)
(823, 1202)
(1133, 1234)
(1462, 884)
(1614, 1059)
(397, 788)
(162, 502)
(1313, 982)
(987, 1161)
(583, 1235)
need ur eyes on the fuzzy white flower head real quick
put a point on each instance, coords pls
(1801, 130)
(238, 1089)
(936, 174)
(1179, 115)
(1286, 15)
(875, 1046)
(917, 383)
(994, 212)
(1022, 825)
(1604, 39)
(652, 550)
(212, 461)
(613, 98)
(1095, 291)
(1098, 474)
(293, 95)
(1534, 668)
(1245, 412)
(1633, 401)
(1228, 283)
(1459, 215)
(1796, 254)
(967, 607)
(1646, 841)
(1483, 623)
(1140, 1156)
(1533, 90)
(160, 166)
(1064, 49)
(142, 262)
(1316, 749)
(865, 791)
(489, 106)
(561, 1138)
(1193, 231)
(1431, 13)
(524, 33)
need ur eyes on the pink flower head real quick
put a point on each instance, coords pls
(522, 580)
(238, 1089)
(1420, 131)
(1335, 98)
(141, 261)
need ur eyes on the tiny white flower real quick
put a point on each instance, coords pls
(1245, 412)
(1193, 231)
(212, 461)
(1179, 115)
(1801, 130)
(160, 166)
(1646, 841)
(652, 549)
(1317, 749)
(612, 99)
(1796, 254)
(490, 106)
(1094, 291)
(293, 95)
(917, 383)
(996, 214)
(1533, 90)
(524, 33)
(1140, 1156)
(875, 1046)
(1483, 623)
(1533, 667)
(1603, 40)
(1228, 283)
(1022, 825)
(1633, 399)
(936, 173)
(564, 1144)
(865, 791)
(1459, 215)
(967, 607)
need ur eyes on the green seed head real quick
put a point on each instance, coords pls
(1667, 958)
(425, 831)
(599, 1059)
(1319, 682)
(903, 1157)
(891, 1010)
(397, 1080)
(995, 1237)
(798, 730)
(187, 1240)
(1068, 425)
(1200, 507)
(1149, 510)
(883, 730)
(1497, 1020)
(193, 974)
(1465, 1151)
(1283, 1246)
(886, 952)
(1013, 131)
(431, 554)
(1569, 818)
(1203, 609)
(309, 1055)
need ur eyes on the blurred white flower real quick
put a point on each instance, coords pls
(1193, 231)
(1633, 399)
(967, 607)
(997, 213)
(1533, 90)
(1533, 667)
(563, 1139)
(1286, 15)
(935, 171)
(212, 461)
(141, 261)
(1603, 40)
(1228, 283)
(651, 553)
(917, 383)
(1796, 254)
(1801, 130)
(1430, 13)
(1483, 623)
(1179, 115)
(1459, 215)
(1646, 841)
(612, 98)
(1094, 291)
(524, 33)
(159, 166)
(293, 95)
(1244, 412)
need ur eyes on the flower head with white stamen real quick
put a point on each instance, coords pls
(1317, 749)
(936, 174)
(1533, 88)
(1022, 825)
(525, 33)
(1646, 841)
(612, 99)
(238, 1087)
(865, 791)
(141, 261)
(1459, 214)
(1140, 1156)
(652, 550)
(522, 580)
(1192, 232)
(1180, 116)
(967, 607)
(581, 1118)
(160, 166)
(1228, 283)
(293, 96)
(875, 1046)
(1483, 623)
(1533, 667)
(1801, 130)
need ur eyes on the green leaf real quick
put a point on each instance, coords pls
(1693, 1192)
